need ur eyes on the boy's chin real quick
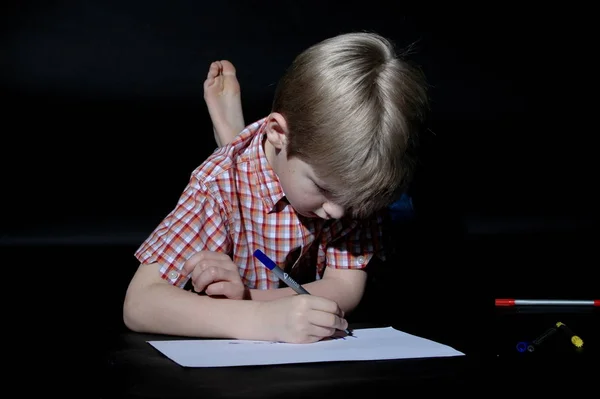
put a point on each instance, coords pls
(308, 214)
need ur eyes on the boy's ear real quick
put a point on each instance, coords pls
(277, 130)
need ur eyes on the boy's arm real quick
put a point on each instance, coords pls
(343, 286)
(154, 305)
(155, 300)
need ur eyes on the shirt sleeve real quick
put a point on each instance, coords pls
(357, 243)
(196, 223)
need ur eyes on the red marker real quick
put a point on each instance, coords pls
(550, 302)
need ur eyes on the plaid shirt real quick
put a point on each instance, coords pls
(234, 204)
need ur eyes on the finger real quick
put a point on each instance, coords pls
(190, 264)
(321, 332)
(226, 288)
(327, 320)
(205, 259)
(203, 266)
(212, 275)
(217, 288)
(323, 304)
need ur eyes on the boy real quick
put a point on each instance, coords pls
(304, 185)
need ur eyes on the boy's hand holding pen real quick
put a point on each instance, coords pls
(300, 318)
(265, 260)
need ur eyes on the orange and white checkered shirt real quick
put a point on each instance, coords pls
(234, 204)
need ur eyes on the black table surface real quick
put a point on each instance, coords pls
(84, 351)
(133, 368)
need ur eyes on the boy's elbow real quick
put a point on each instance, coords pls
(352, 301)
(133, 308)
(136, 298)
(132, 324)
(129, 313)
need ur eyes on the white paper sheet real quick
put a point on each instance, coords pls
(365, 344)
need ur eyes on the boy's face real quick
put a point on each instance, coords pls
(303, 190)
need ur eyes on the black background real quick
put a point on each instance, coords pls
(101, 94)
(104, 119)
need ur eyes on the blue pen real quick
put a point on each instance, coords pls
(283, 276)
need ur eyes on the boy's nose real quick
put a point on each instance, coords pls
(333, 211)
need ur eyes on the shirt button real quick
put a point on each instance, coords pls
(360, 260)
(173, 275)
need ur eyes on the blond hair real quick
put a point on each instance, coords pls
(354, 108)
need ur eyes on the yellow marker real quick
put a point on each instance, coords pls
(575, 340)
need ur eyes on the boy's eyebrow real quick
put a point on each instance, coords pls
(320, 184)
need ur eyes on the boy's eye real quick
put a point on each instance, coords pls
(321, 189)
